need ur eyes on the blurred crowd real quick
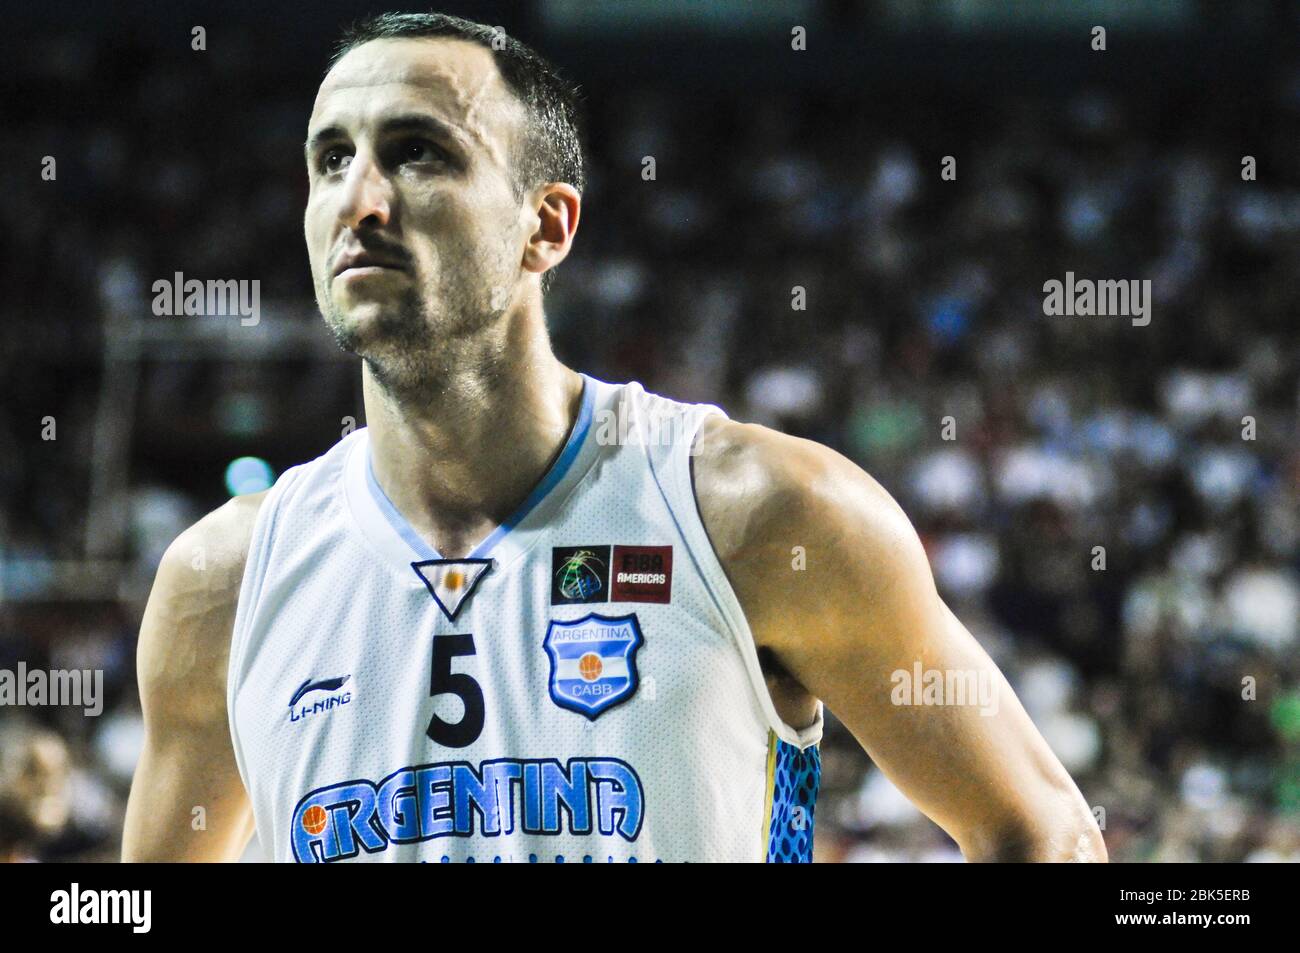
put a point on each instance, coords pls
(1113, 510)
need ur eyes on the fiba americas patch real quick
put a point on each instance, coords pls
(587, 574)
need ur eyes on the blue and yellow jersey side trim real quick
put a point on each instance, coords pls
(793, 777)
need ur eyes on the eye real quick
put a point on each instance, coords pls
(419, 150)
(333, 160)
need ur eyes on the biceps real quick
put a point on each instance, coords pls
(187, 801)
(938, 717)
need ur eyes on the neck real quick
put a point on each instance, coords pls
(457, 463)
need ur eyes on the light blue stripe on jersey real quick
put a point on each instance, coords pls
(396, 519)
(561, 466)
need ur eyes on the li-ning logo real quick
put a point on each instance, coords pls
(297, 713)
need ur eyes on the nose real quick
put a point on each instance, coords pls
(366, 200)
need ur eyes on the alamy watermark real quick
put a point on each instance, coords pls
(78, 688)
(1083, 296)
(133, 908)
(180, 296)
(650, 428)
(955, 687)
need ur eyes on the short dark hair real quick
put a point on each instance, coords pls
(551, 150)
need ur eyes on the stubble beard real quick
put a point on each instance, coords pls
(413, 354)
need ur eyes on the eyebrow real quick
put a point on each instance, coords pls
(411, 122)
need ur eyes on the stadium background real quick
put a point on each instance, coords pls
(775, 169)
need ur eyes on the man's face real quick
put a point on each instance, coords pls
(414, 228)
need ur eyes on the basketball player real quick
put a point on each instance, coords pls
(524, 614)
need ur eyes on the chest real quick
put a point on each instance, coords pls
(573, 647)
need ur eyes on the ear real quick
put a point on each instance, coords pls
(557, 206)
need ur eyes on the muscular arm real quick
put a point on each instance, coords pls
(863, 608)
(188, 761)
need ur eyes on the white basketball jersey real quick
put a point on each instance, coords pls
(583, 687)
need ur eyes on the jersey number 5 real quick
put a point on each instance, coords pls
(443, 681)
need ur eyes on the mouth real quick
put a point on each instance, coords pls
(361, 264)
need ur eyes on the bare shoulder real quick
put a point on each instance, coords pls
(185, 635)
(809, 541)
(759, 489)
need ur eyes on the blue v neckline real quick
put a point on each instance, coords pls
(553, 477)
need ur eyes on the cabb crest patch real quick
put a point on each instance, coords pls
(593, 661)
